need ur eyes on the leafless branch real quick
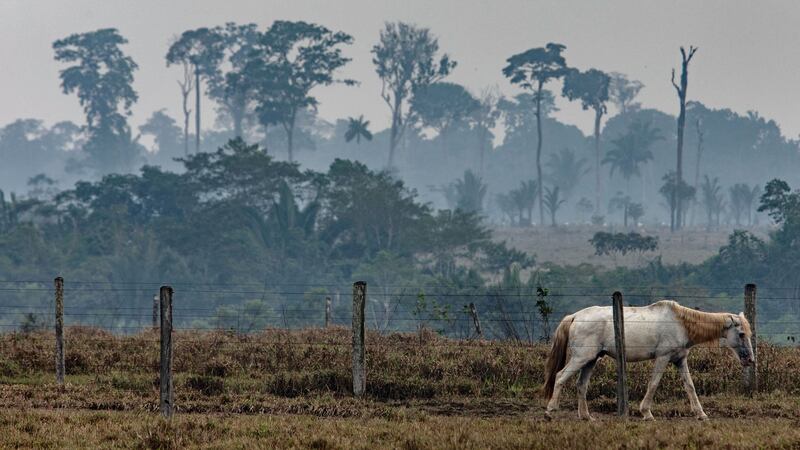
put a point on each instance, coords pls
(692, 50)
(677, 88)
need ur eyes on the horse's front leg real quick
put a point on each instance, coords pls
(688, 385)
(583, 386)
(658, 370)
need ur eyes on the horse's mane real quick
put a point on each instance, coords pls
(702, 326)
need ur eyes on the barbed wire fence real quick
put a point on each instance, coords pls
(467, 316)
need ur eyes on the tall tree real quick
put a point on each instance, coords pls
(102, 76)
(202, 49)
(532, 69)
(230, 85)
(405, 60)
(290, 60)
(186, 85)
(622, 92)
(485, 118)
(686, 58)
(442, 105)
(167, 136)
(591, 88)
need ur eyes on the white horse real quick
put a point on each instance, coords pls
(664, 331)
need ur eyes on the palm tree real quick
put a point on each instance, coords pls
(470, 192)
(356, 129)
(584, 207)
(632, 149)
(523, 199)
(518, 198)
(713, 200)
(678, 196)
(620, 202)
(629, 208)
(507, 206)
(529, 190)
(635, 212)
(566, 170)
(742, 198)
(552, 202)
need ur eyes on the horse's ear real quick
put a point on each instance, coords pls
(728, 321)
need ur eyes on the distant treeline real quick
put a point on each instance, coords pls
(262, 82)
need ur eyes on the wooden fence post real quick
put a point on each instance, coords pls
(751, 372)
(166, 387)
(476, 320)
(327, 311)
(619, 338)
(155, 311)
(59, 331)
(359, 359)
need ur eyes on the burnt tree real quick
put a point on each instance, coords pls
(675, 216)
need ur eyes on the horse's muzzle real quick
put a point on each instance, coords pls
(747, 361)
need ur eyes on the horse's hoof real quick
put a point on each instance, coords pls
(702, 417)
(648, 417)
(548, 415)
(587, 418)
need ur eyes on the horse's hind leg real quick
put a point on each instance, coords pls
(574, 365)
(658, 370)
(583, 386)
(688, 385)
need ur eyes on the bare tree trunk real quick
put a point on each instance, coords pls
(197, 110)
(186, 133)
(482, 135)
(627, 201)
(394, 137)
(289, 142)
(681, 125)
(186, 89)
(598, 116)
(698, 127)
(539, 151)
(237, 115)
(392, 146)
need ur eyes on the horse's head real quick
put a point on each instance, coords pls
(737, 336)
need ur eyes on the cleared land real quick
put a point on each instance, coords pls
(291, 389)
(81, 429)
(569, 245)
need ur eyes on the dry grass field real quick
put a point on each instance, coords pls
(569, 245)
(280, 389)
(112, 429)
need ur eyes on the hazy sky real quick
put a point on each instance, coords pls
(748, 57)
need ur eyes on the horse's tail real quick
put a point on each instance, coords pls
(558, 356)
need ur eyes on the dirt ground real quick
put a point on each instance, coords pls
(763, 424)
(569, 245)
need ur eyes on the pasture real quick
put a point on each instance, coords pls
(569, 245)
(282, 388)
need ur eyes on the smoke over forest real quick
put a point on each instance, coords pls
(239, 178)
